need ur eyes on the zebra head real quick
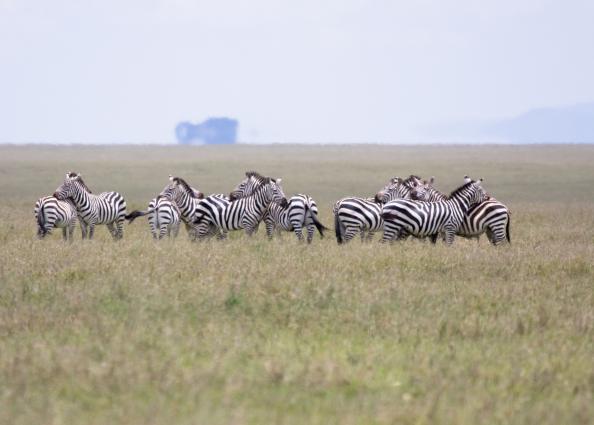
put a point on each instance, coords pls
(426, 192)
(253, 180)
(73, 183)
(276, 191)
(177, 188)
(401, 189)
(472, 192)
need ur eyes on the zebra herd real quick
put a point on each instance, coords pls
(403, 208)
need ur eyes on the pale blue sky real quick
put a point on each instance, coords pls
(290, 71)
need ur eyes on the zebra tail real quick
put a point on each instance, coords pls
(338, 229)
(317, 223)
(41, 221)
(132, 216)
(507, 230)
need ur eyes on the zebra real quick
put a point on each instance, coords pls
(52, 213)
(163, 217)
(490, 217)
(244, 213)
(292, 215)
(353, 214)
(107, 208)
(421, 218)
(187, 200)
(298, 212)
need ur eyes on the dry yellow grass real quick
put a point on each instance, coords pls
(251, 331)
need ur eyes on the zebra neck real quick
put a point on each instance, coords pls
(186, 206)
(81, 197)
(462, 202)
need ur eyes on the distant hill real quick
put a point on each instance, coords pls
(572, 124)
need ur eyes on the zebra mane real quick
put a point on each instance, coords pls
(259, 177)
(461, 189)
(187, 188)
(411, 179)
(79, 179)
(263, 180)
(252, 173)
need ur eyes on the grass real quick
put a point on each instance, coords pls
(251, 331)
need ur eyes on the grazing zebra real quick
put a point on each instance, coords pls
(107, 208)
(293, 215)
(490, 217)
(244, 213)
(421, 218)
(50, 212)
(353, 215)
(163, 217)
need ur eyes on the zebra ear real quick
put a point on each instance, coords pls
(479, 181)
(431, 180)
(467, 179)
(279, 180)
(170, 178)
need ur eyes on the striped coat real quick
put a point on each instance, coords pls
(107, 208)
(52, 213)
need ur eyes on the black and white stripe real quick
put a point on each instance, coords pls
(52, 213)
(107, 208)
(163, 217)
(253, 180)
(186, 198)
(490, 216)
(244, 213)
(363, 215)
(293, 215)
(421, 218)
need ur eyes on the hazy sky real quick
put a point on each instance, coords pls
(290, 71)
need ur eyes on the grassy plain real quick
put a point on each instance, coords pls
(251, 331)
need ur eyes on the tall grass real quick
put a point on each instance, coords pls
(251, 331)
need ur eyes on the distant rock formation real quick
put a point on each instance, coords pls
(213, 131)
(572, 124)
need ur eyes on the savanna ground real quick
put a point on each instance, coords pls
(251, 331)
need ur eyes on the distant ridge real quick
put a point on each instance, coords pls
(571, 124)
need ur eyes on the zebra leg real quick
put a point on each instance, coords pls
(298, 232)
(310, 232)
(350, 233)
(449, 234)
(111, 229)
(269, 228)
(369, 237)
(83, 229)
(91, 230)
(65, 233)
(390, 233)
(119, 229)
(163, 230)
(174, 230)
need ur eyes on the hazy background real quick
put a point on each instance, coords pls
(338, 71)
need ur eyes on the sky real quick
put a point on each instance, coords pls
(332, 71)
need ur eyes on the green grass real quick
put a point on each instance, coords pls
(251, 331)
